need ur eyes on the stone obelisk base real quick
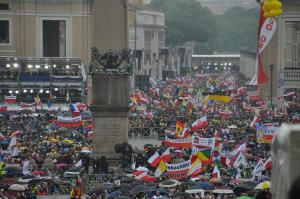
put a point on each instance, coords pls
(110, 115)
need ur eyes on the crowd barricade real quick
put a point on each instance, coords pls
(92, 180)
(145, 131)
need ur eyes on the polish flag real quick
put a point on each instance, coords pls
(3, 108)
(154, 160)
(241, 90)
(166, 156)
(216, 173)
(10, 99)
(141, 176)
(241, 148)
(254, 122)
(200, 123)
(268, 164)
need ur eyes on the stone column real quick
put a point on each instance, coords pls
(110, 89)
(110, 112)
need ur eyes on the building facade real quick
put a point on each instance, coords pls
(283, 54)
(215, 63)
(146, 38)
(44, 46)
(46, 28)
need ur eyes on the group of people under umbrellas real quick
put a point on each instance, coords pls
(37, 155)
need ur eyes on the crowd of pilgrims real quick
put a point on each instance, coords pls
(44, 152)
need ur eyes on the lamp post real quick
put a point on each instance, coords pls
(271, 85)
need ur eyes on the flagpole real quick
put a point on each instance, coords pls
(271, 85)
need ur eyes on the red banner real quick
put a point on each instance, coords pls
(178, 143)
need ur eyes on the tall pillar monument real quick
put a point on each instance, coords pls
(109, 71)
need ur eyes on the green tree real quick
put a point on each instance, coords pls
(237, 29)
(187, 20)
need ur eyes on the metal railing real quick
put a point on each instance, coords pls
(145, 132)
(292, 74)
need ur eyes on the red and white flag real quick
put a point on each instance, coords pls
(254, 122)
(3, 108)
(154, 159)
(166, 156)
(184, 133)
(200, 123)
(216, 173)
(265, 33)
(10, 99)
(241, 148)
(141, 176)
(268, 164)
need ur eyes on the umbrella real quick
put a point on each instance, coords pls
(39, 173)
(149, 179)
(203, 185)
(97, 191)
(169, 183)
(181, 194)
(17, 187)
(142, 169)
(216, 181)
(195, 191)
(8, 181)
(236, 181)
(241, 188)
(263, 185)
(85, 151)
(152, 192)
(4, 142)
(223, 191)
(251, 183)
(126, 180)
(61, 165)
(139, 189)
(124, 186)
(68, 141)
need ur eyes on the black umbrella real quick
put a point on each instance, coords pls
(127, 180)
(182, 195)
(152, 192)
(252, 184)
(139, 189)
(241, 188)
(124, 186)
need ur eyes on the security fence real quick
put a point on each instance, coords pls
(146, 132)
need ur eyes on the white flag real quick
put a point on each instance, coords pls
(241, 148)
(79, 164)
(241, 160)
(257, 171)
(26, 167)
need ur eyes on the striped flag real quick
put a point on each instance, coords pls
(196, 168)
(10, 99)
(160, 169)
(154, 159)
(204, 156)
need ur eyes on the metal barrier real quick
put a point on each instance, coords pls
(90, 181)
(145, 132)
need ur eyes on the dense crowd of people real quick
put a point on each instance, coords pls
(40, 156)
